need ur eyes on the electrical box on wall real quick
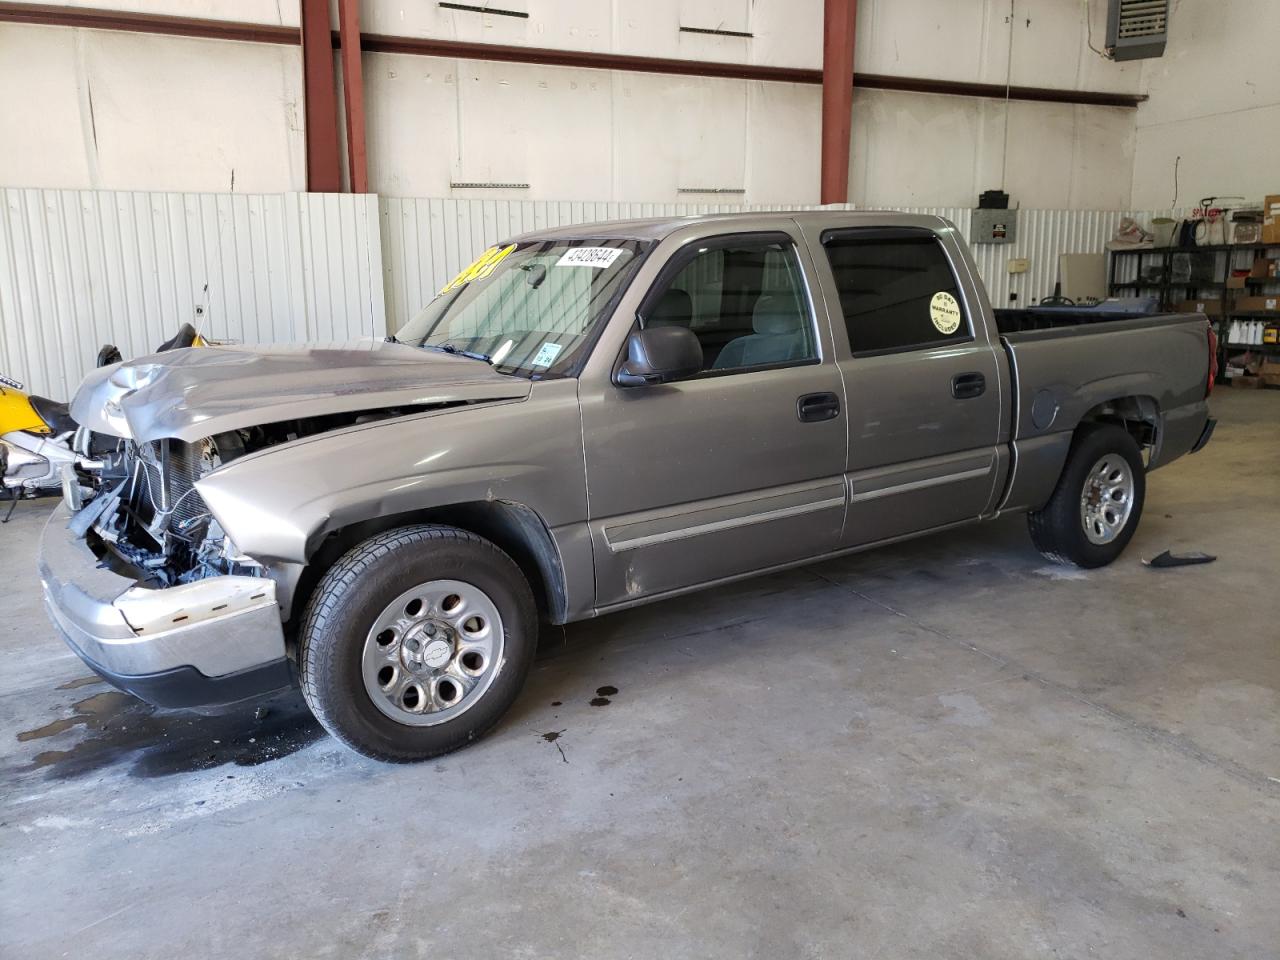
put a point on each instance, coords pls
(993, 226)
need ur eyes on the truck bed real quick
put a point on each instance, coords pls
(1056, 318)
(1065, 365)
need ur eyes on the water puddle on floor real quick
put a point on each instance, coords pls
(79, 682)
(119, 729)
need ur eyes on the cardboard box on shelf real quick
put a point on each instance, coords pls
(1271, 219)
(1236, 283)
(1263, 269)
(1210, 308)
(1245, 381)
(1270, 367)
(1257, 304)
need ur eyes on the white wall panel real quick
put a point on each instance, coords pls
(1212, 125)
(131, 111)
(80, 268)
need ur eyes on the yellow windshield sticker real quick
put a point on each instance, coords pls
(480, 268)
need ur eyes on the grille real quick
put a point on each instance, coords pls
(1136, 29)
(1142, 18)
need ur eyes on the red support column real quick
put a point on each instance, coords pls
(324, 168)
(353, 94)
(837, 98)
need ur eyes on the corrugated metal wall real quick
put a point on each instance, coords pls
(80, 268)
(83, 268)
(427, 241)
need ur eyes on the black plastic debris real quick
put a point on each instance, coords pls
(1171, 559)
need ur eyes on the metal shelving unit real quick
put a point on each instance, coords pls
(1166, 288)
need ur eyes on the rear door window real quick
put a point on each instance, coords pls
(896, 293)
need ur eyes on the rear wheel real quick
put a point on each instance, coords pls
(416, 642)
(1096, 506)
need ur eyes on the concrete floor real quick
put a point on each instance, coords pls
(944, 749)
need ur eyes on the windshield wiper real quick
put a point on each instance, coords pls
(447, 347)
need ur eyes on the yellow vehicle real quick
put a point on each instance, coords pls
(42, 447)
(36, 442)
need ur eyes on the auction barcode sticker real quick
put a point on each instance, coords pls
(589, 257)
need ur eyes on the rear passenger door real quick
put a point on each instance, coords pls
(739, 467)
(923, 385)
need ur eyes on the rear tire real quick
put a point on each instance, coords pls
(416, 642)
(1097, 503)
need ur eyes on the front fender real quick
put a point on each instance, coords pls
(279, 504)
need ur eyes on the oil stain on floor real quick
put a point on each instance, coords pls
(602, 696)
(119, 729)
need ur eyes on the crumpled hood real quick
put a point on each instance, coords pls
(201, 391)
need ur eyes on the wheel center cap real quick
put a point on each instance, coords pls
(426, 648)
(436, 654)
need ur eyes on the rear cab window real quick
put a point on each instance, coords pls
(897, 290)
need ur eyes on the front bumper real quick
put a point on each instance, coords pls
(212, 641)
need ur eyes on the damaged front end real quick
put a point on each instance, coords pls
(150, 516)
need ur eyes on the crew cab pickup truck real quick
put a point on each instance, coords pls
(585, 419)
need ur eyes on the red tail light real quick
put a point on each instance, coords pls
(1213, 360)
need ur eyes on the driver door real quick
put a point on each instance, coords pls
(738, 468)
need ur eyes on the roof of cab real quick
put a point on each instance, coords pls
(656, 228)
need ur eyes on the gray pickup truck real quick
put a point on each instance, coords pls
(585, 419)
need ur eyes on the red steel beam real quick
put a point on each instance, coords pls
(324, 166)
(353, 94)
(466, 50)
(837, 98)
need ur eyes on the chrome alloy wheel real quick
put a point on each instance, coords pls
(433, 652)
(1107, 499)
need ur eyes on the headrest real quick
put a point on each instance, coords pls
(774, 316)
(673, 309)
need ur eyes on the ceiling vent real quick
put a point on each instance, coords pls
(1137, 29)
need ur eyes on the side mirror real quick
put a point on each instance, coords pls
(659, 355)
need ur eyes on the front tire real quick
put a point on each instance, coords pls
(416, 642)
(1097, 504)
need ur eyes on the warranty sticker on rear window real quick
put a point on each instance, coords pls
(589, 257)
(944, 311)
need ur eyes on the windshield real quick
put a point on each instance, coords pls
(528, 308)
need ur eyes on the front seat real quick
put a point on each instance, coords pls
(779, 336)
(673, 309)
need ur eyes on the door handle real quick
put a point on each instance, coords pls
(816, 407)
(966, 386)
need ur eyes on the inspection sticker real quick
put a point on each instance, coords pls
(944, 311)
(480, 268)
(546, 355)
(589, 257)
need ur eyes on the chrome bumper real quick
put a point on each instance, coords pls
(204, 642)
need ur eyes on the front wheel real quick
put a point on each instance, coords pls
(416, 642)
(1096, 506)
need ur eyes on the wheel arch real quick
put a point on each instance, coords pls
(1137, 414)
(515, 528)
